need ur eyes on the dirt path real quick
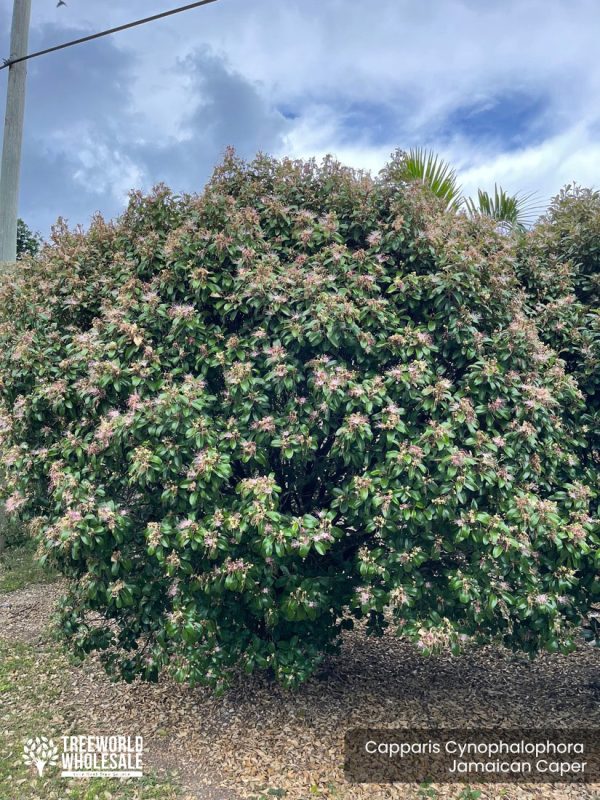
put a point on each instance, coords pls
(260, 736)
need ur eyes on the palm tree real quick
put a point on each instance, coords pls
(512, 212)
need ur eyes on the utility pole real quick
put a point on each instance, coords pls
(13, 132)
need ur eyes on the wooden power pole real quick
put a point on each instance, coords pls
(13, 132)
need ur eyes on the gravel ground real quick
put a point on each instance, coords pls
(260, 736)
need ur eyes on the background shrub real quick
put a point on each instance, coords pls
(243, 420)
(560, 266)
(28, 242)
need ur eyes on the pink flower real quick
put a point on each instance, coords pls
(134, 401)
(182, 311)
(355, 421)
(458, 458)
(14, 502)
(267, 424)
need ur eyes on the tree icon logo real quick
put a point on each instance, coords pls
(40, 752)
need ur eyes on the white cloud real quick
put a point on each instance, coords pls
(103, 170)
(571, 156)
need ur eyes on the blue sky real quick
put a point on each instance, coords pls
(507, 90)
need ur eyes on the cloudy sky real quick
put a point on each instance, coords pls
(507, 90)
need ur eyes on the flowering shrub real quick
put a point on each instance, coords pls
(560, 266)
(242, 421)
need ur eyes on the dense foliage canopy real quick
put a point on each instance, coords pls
(246, 419)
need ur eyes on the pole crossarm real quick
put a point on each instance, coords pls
(7, 62)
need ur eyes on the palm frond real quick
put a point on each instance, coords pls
(512, 212)
(428, 168)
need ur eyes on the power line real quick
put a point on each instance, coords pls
(8, 62)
